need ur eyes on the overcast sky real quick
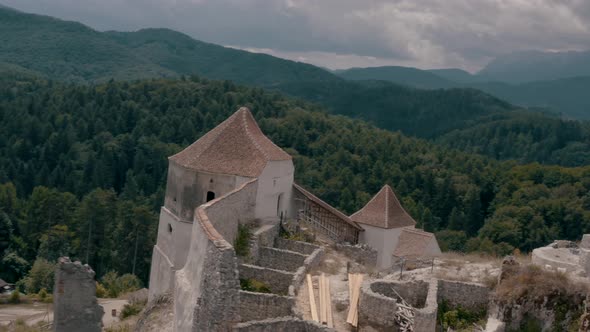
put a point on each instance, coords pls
(349, 33)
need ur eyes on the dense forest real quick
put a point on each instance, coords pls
(465, 119)
(83, 168)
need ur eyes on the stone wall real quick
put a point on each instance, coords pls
(470, 296)
(237, 207)
(546, 256)
(297, 246)
(74, 298)
(258, 306)
(264, 236)
(277, 281)
(206, 290)
(362, 254)
(413, 292)
(309, 263)
(281, 324)
(378, 304)
(585, 254)
(280, 259)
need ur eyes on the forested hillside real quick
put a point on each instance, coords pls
(466, 119)
(69, 51)
(82, 171)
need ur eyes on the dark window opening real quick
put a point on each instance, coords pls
(169, 228)
(210, 196)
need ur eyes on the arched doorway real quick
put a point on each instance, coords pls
(210, 196)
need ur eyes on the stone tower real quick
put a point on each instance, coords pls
(230, 155)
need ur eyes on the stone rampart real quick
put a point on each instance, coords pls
(236, 207)
(277, 281)
(74, 298)
(469, 296)
(281, 324)
(297, 246)
(259, 306)
(362, 254)
(206, 294)
(280, 259)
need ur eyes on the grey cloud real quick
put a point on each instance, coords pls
(424, 33)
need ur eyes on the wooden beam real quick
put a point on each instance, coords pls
(314, 310)
(330, 318)
(355, 284)
(322, 300)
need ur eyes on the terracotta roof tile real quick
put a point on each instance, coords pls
(384, 210)
(413, 243)
(237, 146)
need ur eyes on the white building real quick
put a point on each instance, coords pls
(232, 155)
(391, 230)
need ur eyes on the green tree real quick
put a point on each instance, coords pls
(57, 242)
(40, 276)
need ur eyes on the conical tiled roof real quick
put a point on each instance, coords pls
(383, 210)
(237, 146)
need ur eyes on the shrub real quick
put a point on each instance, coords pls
(132, 309)
(40, 276)
(242, 243)
(458, 318)
(42, 294)
(101, 292)
(253, 285)
(116, 285)
(14, 297)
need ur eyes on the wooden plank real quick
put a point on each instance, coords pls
(322, 300)
(352, 317)
(353, 301)
(314, 310)
(330, 318)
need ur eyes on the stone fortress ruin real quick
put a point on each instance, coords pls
(235, 181)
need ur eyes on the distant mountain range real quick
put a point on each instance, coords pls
(447, 107)
(560, 88)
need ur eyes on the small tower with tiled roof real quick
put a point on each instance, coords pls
(384, 211)
(229, 155)
(384, 221)
(232, 154)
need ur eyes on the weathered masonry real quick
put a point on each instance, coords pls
(231, 177)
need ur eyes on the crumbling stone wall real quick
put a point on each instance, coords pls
(74, 298)
(264, 236)
(308, 264)
(277, 281)
(259, 306)
(585, 254)
(280, 259)
(281, 324)
(361, 253)
(470, 296)
(297, 246)
(378, 304)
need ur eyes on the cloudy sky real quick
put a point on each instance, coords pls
(350, 33)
